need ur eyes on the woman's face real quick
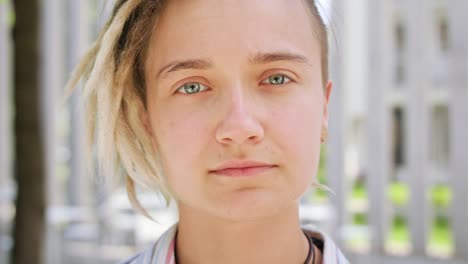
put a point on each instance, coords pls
(229, 83)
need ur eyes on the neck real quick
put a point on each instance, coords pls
(206, 239)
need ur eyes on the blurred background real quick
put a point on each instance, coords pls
(396, 158)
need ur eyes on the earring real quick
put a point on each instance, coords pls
(324, 135)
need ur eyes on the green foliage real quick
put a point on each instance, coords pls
(360, 219)
(441, 235)
(441, 196)
(359, 191)
(320, 195)
(11, 18)
(322, 169)
(399, 231)
(398, 193)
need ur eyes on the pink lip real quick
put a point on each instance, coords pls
(242, 168)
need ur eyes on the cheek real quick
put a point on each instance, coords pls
(181, 139)
(297, 129)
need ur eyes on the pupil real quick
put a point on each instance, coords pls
(192, 88)
(277, 79)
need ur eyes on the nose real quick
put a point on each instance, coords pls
(239, 125)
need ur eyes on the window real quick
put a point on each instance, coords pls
(398, 137)
(440, 143)
(400, 47)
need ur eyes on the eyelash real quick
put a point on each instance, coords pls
(287, 80)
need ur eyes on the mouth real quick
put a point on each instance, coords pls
(243, 169)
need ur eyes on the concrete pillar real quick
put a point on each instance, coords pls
(419, 87)
(79, 35)
(52, 79)
(378, 121)
(335, 159)
(458, 113)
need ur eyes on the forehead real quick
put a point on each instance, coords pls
(232, 28)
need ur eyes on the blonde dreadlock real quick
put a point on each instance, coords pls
(113, 102)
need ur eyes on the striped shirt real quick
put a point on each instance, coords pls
(162, 252)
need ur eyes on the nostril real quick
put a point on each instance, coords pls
(226, 140)
(239, 137)
(254, 138)
(239, 128)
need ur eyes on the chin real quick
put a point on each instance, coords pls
(253, 207)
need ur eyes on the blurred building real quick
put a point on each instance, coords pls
(401, 68)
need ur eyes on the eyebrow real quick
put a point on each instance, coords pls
(269, 57)
(203, 64)
(194, 64)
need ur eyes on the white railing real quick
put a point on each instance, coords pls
(418, 174)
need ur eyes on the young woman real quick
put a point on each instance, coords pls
(220, 105)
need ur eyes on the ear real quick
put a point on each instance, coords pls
(327, 92)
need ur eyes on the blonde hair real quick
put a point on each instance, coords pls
(114, 93)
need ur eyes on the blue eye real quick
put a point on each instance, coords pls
(277, 79)
(191, 88)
